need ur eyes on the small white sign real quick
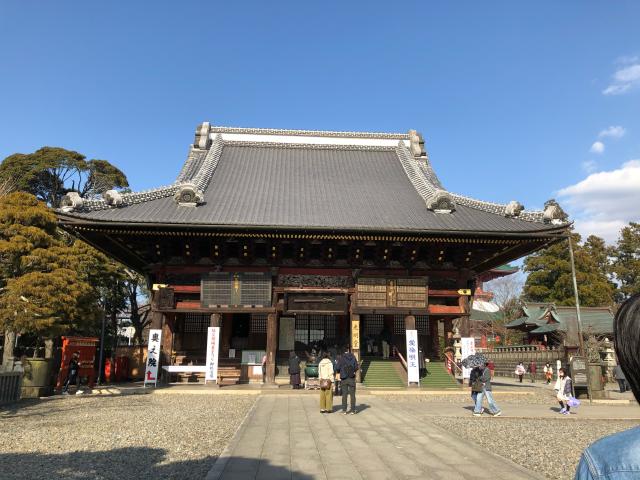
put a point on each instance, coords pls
(413, 364)
(153, 357)
(467, 348)
(213, 347)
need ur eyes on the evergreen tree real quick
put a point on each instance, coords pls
(550, 278)
(51, 172)
(626, 264)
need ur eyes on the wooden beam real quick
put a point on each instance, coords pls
(272, 345)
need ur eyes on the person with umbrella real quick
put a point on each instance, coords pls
(485, 381)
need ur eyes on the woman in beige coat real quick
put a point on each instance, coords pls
(325, 374)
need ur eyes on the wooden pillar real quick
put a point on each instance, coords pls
(272, 345)
(355, 341)
(435, 340)
(215, 320)
(156, 315)
(465, 323)
(168, 328)
(225, 334)
(448, 332)
(409, 322)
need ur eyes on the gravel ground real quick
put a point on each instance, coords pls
(537, 396)
(133, 436)
(551, 447)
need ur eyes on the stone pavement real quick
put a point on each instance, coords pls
(286, 437)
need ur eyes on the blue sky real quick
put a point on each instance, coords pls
(511, 97)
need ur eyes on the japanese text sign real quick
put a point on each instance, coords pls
(153, 357)
(213, 347)
(413, 363)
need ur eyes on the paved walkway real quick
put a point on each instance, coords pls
(285, 437)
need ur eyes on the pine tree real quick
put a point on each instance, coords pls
(626, 264)
(550, 278)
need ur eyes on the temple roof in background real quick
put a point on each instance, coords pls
(292, 179)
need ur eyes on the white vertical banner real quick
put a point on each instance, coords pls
(413, 367)
(153, 357)
(213, 347)
(467, 348)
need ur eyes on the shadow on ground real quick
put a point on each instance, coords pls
(124, 464)
(55, 404)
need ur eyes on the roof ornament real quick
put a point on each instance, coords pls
(71, 201)
(416, 144)
(513, 209)
(188, 195)
(553, 213)
(441, 202)
(113, 198)
(202, 140)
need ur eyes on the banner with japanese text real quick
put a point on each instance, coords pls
(467, 347)
(213, 347)
(413, 365)
(153, 357)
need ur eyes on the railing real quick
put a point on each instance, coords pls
(449, 358)
(10, 385)
(403, 362)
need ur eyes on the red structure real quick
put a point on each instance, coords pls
(87, 347)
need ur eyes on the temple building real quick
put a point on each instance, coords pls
(551, 325)
(287, 238)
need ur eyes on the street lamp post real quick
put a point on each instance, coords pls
(578, 319)
(100, 368)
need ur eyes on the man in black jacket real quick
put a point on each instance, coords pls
(347, 367)
(72, 374)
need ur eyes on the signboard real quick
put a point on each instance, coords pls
(213, 348)
(413, 364)
(239, 289)
(467, 347)
(315, 302)
(375, 292)
(355, 334)
(287, 333)
(579, 371)
(153, 357)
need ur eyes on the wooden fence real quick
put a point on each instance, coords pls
(10, 385)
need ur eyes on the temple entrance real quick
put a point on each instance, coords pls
(320, 332)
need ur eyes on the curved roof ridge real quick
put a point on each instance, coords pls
(190, 168)
(310, 133)
(307, 146)
(433, 195)
(498, 208)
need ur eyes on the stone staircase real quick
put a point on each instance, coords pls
(379, 373)
(438, 378)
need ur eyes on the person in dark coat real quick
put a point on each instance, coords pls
(618, 374)
(347, 368)
(485, 391)
(532, 371)
(294, 370)
(72, 374)
(475, 388)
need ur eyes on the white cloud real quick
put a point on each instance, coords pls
(589, 166)
(604, 202)
(627, 59)
(624, 79)
(597, 147)
(613, 132)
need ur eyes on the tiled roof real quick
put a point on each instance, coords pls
(595, 320)
(339, 181)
